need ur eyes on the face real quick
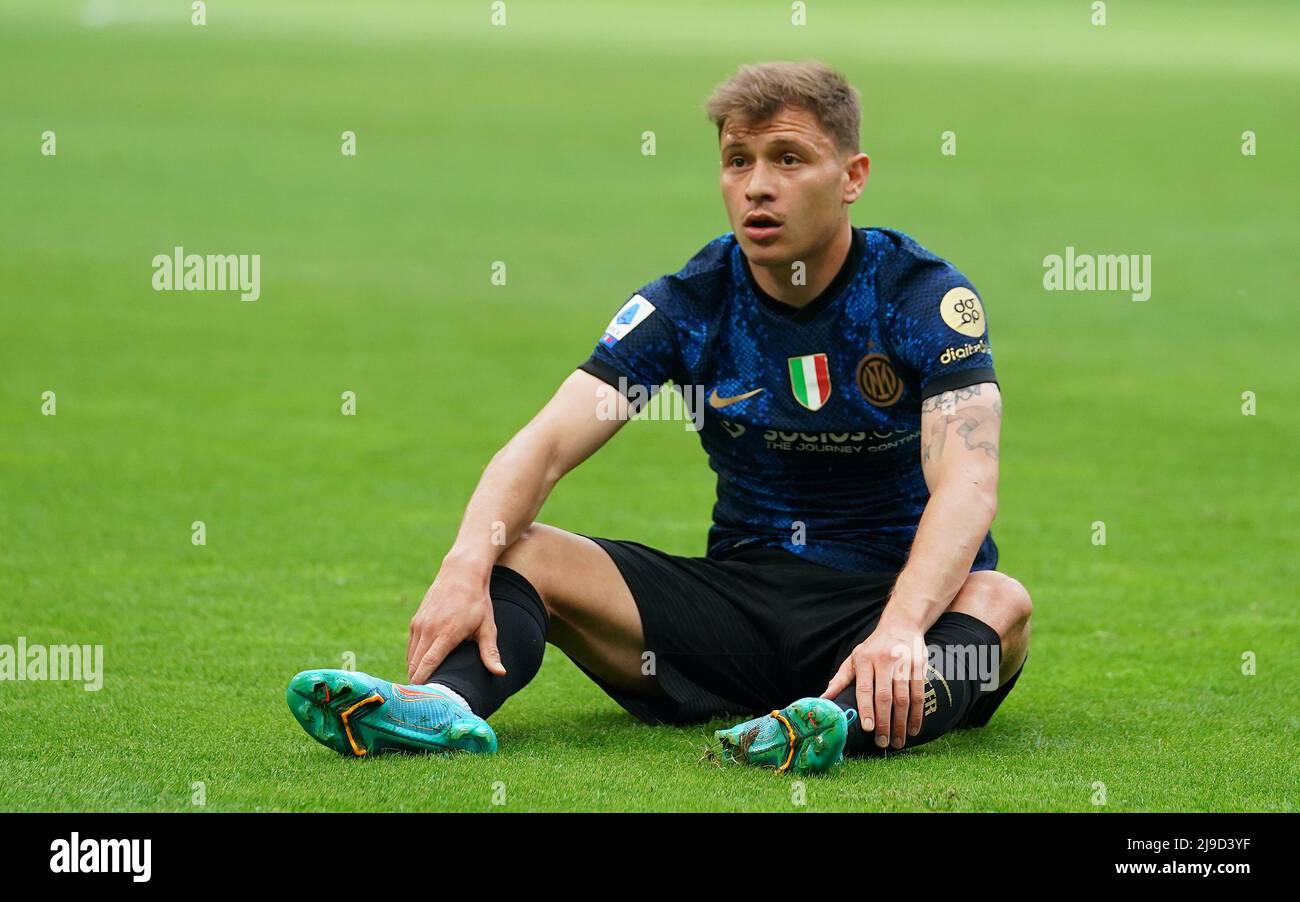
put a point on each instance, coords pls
(789, 171)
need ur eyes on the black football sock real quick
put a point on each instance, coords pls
(521, 639)
(948, 696)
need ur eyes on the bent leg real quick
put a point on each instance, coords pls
(552, 585)
(594, 619)
(990, 612)
(1003, 603)
(521, 627)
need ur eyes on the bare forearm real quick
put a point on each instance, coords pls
(960, 436)
(519, 478)
(509, 495)
(952, 527)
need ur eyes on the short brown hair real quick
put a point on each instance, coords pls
(757, 93)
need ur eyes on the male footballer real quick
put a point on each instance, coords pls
(849, 595)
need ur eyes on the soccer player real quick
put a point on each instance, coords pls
(853, 422)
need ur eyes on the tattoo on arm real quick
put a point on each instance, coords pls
(977, 424)
(948, 400)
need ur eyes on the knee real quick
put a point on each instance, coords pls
(999, 600)
(521, 554)
(1014, 606)
(528, 556)
(1013, 598)
(1015, 641)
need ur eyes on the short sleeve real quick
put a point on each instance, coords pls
(938, 327)
(639, 346)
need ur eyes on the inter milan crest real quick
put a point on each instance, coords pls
(878, 381)
(810, 379)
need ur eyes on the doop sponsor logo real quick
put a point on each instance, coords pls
(962, 311)
(103, 856)
(952, 355)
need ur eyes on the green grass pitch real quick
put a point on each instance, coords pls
(522, 144)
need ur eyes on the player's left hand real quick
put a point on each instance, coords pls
(889, 668)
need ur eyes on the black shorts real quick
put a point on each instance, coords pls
(759, 629)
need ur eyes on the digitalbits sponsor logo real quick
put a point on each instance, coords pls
(953, 355)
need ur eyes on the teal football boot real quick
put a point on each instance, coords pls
(356, 714)
(806, 737)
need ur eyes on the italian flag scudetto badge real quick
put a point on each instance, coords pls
(811, 380)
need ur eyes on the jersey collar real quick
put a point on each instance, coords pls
(805, 313)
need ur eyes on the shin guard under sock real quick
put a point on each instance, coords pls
(948, 696)
(521, 622)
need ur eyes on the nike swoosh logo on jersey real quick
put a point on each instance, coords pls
(716, 403)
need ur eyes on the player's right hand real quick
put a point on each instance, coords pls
(457, 607)
(888, 673)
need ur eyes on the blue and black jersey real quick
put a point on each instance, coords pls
(813, 417)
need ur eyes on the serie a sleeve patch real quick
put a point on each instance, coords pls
(631, 315)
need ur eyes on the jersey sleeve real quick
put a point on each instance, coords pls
(938, 328)
(639, 346)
